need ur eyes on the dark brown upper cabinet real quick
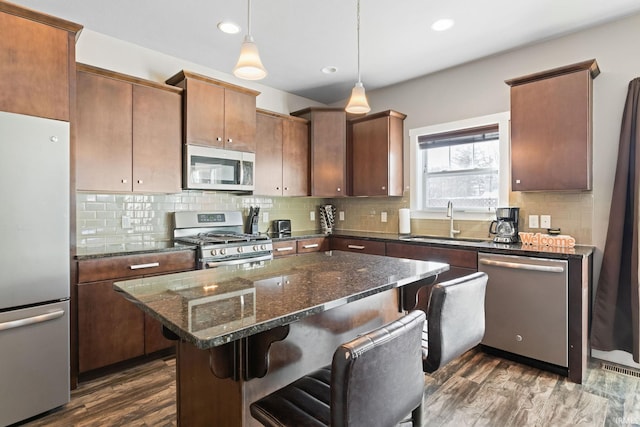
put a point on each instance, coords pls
(37, 53)
(282, 155)
(128, 133)
(216, 113)
(551, 125)
(376, 154)
(328, 150)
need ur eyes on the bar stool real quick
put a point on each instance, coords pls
(455, 320)
(374, 380)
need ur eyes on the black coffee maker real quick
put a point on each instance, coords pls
(505, 227)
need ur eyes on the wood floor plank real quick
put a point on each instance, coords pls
(476, 389)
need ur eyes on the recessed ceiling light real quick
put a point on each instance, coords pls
(442, 24)
(329, 69)
(229, 27)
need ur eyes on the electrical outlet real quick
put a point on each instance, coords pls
(545, 221)
(341, 215)
(533, 221)
(383, 216)
(265, 216)
(312, 216)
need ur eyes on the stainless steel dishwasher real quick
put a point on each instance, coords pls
(526, 306)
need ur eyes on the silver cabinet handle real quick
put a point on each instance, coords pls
(356, 247)
(149, 265)
(517, 266)
(287, 248)
(124, 181)
(313, 245)
(229, 140)
(218, 139)
(31, 320)
(140, 181)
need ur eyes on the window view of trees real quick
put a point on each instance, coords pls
(464, 172)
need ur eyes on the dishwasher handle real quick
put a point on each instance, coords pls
(31, 320)
(518, 266)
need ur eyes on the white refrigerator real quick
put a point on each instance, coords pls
(34, 266)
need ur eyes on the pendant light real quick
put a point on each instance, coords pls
(249, 66)
(358, 103)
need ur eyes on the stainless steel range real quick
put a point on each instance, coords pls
(220, 239)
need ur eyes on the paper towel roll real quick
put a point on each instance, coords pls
(405, 221)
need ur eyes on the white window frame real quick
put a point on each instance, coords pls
(415, 166)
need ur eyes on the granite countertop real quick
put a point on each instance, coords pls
(212, 307)
(481, 245)
(131, 249)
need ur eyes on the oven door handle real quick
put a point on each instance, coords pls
(213, 264)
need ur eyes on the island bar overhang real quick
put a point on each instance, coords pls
(244, 332)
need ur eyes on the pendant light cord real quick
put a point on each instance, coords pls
(249, 18)
(358, 37)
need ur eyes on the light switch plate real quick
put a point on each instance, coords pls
(341, 215)
(312, 215)
(265, 216)
(533, 221)
(383, 216)
(545, 221)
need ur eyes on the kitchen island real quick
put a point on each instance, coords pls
(245, 331)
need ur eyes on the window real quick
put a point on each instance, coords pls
(464, 162)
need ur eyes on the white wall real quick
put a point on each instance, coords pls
(116, 55)
(478, 88)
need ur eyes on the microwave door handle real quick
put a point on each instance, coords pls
(241, 171)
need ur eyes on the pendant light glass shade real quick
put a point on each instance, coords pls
(358, 103)
(249, 66)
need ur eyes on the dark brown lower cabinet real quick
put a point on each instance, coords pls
(110, 328)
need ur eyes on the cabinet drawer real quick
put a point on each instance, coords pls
(358, 245)
(287, 247)
(312, 245)
(454, 257)
(122, 267)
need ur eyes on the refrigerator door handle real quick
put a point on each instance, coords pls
(31, 320)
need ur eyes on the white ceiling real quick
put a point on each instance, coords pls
(297, 38)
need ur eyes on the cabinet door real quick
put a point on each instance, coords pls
(268, 167)
(239, 121)
(104, 132)
(157, 140)
(34, 76)
(370, 168)
(295, 154)
(204, 113)
(153, 338)
(550, 134)
(328, 153)
(110, 328)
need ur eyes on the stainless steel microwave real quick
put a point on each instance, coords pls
(209, 168)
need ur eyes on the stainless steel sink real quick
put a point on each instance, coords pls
(440, 239)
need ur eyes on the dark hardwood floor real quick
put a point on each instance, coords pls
(474, 390)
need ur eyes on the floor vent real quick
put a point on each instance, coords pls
(621, 369)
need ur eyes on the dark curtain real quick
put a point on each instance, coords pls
(615, 312)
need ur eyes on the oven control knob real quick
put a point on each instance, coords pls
(240, 249)
(214, 252)
(255, 248)
(223, 251)
(263, 247)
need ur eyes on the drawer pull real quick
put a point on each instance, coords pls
(313, 245)
(149, 265)
(288, 248)
(359, 247)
